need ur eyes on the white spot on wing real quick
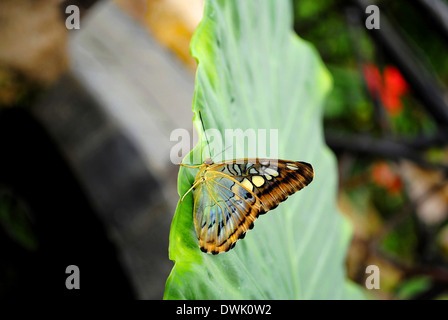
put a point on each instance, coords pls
(272, 172)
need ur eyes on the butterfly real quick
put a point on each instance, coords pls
(229, 196)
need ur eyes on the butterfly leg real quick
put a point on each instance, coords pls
(189, 190)
(185, 165)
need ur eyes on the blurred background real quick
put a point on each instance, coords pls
(85, 122)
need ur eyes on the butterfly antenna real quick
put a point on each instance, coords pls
(221, 152)
(189, 190)
(205, 133)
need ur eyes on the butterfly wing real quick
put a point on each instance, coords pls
(223, 213)
(234, 193)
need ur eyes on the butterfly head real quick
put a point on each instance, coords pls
(208, 161)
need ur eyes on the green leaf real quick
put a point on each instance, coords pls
(413, 287)
(255, 73)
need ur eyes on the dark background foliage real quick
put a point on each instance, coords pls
(386, 118)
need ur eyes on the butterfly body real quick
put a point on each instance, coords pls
(229, 196)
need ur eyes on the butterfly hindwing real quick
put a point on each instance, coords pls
(232, 194)
(223, 214)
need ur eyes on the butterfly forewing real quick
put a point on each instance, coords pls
(232, 194)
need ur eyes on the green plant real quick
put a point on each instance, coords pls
(254, 72)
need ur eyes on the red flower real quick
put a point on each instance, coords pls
(389, 88)
(394, 81)
(373, 79)
(391, 102)
(383, 176)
